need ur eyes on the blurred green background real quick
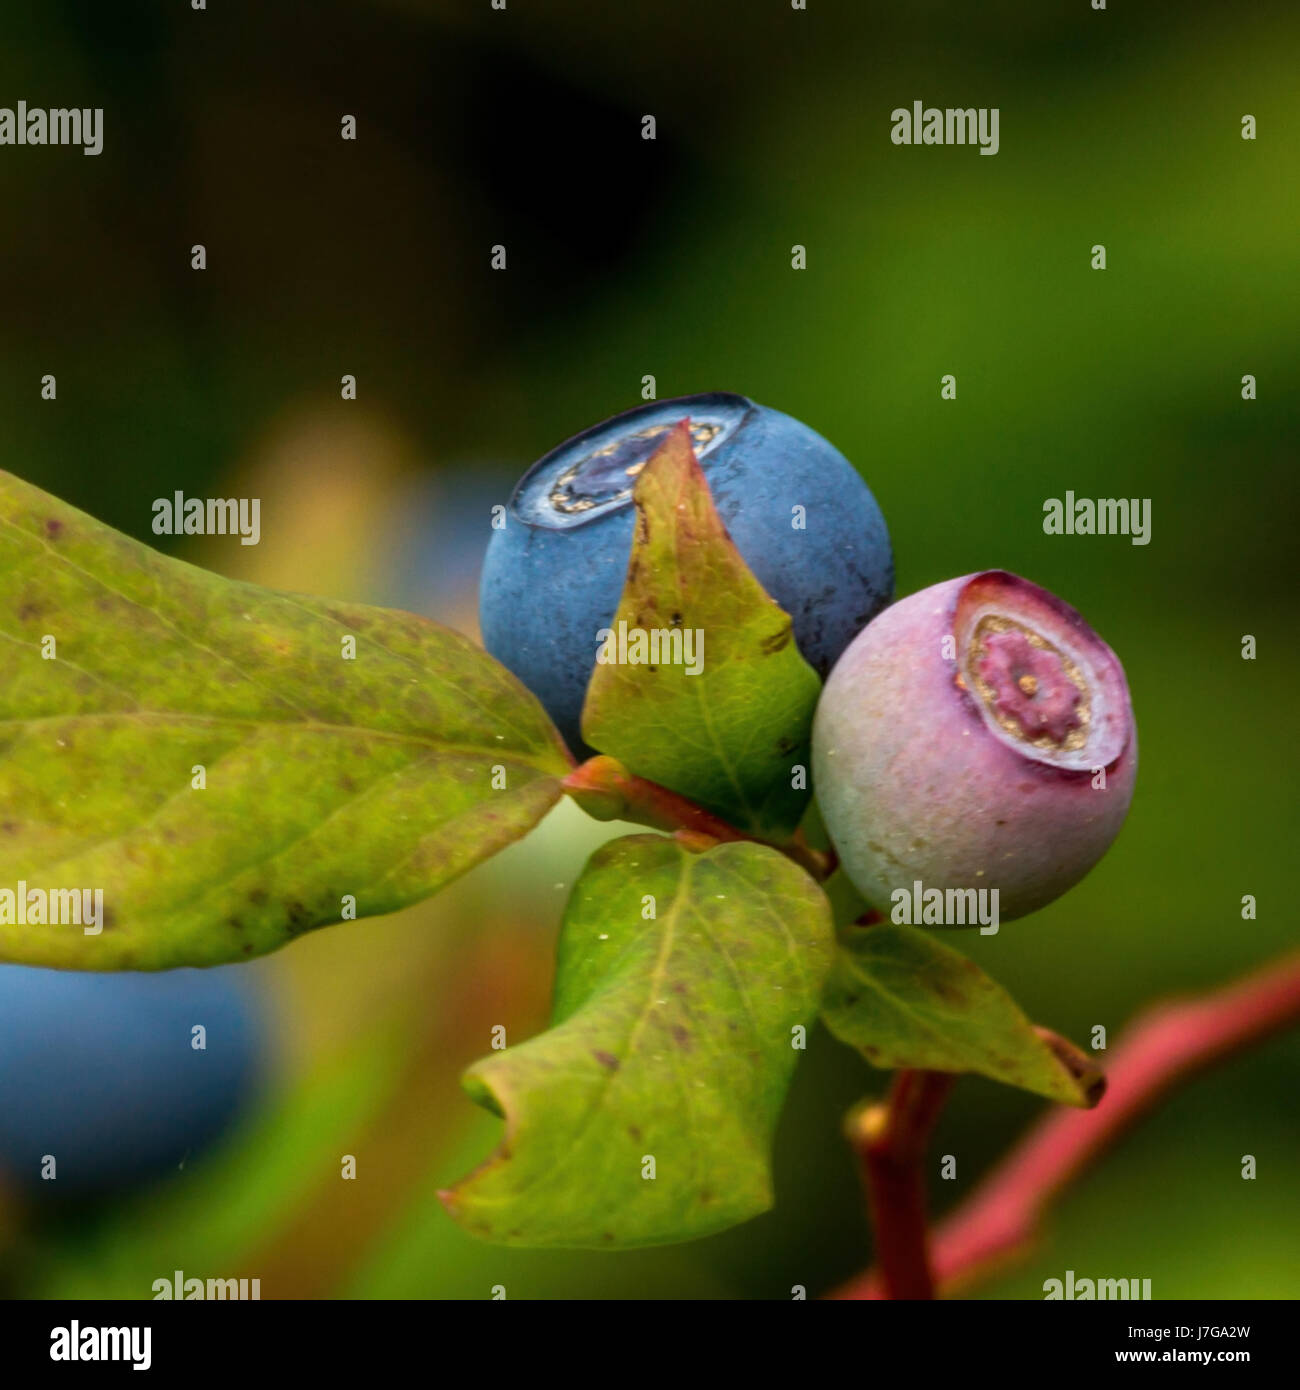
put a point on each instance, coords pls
(672, 258)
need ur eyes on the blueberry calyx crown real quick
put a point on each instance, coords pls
(608, 474)
(1037, 675)
(595, 472)
(1033, 690)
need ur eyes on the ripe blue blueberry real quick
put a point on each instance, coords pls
(100, 1072)
(803, 520)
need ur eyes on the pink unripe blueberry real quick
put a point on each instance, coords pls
(978, 734)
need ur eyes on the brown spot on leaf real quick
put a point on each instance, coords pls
(947, 991)
(606, 1059)
(299, 917)
(53, 527)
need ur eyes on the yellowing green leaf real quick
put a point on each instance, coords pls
(202, 752)
(904, 999)
(730, 735)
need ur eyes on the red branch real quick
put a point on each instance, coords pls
(1165, 1047)
(890, 1141)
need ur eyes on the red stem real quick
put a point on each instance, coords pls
(891, 1140)
(1165, 1047)
(605, 789)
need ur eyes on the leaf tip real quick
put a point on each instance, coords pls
(1087, 1078)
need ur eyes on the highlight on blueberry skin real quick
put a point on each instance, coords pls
(554, 573)
(978, 734)
(99, 1073)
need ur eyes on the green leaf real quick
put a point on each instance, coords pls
(371, 777)
(729, 736)
(672, 1039)
(904, 1000)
